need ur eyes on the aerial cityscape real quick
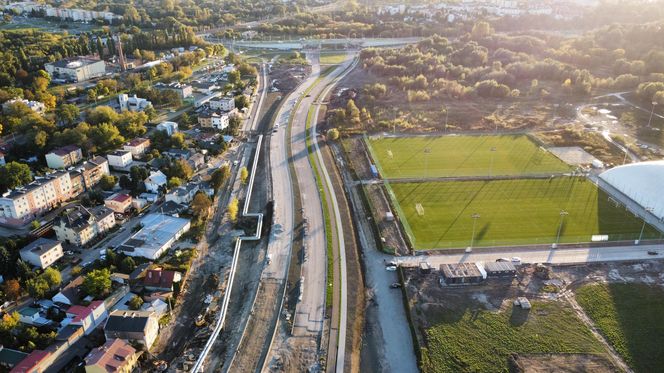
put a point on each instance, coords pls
(332, 186)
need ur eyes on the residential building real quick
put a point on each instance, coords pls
(118, 202)
(93, 170)
(222, 103)
(158, 234)
(77, 182)
(80, 15)
(114, 356)
(132, 103)
(214, 119)
(137, 146)
(196, 161)
(20, 206)
(206, 87)
(71, 293)
(155, 182)
(120, 159)
(64, 157)
(80, 225)
(89, 317)
(36, 362)
(135, 326)
(183, 90)
(169, 127)
(183, 154)
(160, 280)
(183, 195)
(9, 358)
(29, 315)
(36, 106)
(42, 252)
(76, 69)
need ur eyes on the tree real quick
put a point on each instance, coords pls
(220, 176)
(181, 169)
(128, 264)
(481, 30)
(6, 263)
(178, 141)
(76, 270)
(97, 282)
(102, 114)
(241, 102)
(352, 112)
(12, 289)
(15, 174)
(244, 174)
(37, 287)
(234, 77)
(200, 205)
(135, 302)
(52, 277)
(68, 114)
(107, 182)
(233, 209)
(333, 134)
(9, 321)
(105, 137)
(174, 182)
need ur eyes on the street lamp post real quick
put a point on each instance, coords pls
(446, 112)
(563, 213)
(643, 227)
(426, 161)
(475, 216)
(652, 111)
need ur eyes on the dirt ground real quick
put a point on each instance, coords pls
(389, 231)
(429, 301)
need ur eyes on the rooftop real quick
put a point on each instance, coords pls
(159, 278)
(458, 270)
(127, 321)
(41, 246)
(119, 197)
(30, 362)
(137, 141)
(75, 62)
(112, 355)
(157, 231)
(65, 150)
(81, 312)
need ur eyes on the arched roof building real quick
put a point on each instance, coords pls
(642, 182)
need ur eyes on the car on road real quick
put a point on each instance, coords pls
(653, 252)
(516, 260)
(391, 268)
(502, 260)
(395, 285)
(307, 96)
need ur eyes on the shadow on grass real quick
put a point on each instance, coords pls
(519, 316)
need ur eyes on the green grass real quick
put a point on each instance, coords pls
(512, 212)
(481, 341)
(333, 58)
(454, 156)
(631, 317)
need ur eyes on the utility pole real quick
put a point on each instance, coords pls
(643, 227)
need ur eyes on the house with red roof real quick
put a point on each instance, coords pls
(36, 362)
(116, 355)
(118, 202)
(160, 280)
(90, 316)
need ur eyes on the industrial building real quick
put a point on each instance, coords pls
(461, 274)
(500, 269)
(158, 234)
(76, 69)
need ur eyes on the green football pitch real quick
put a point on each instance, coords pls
(438, 215)
(458, 156)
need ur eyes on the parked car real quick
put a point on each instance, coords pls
(516, 260)
(395, 285)
(391, 268)
(653, 253)
(502, 260)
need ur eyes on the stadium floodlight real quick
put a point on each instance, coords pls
(563, 213)
(446, 112)
(474, 216)
(643, 227)
(427, 151)
(493, 152)
(499, 107)
(555, 109)
(652, 111)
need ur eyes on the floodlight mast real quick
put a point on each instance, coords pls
(474, 216)
(643, 227)
(563, 213)
(652, 111)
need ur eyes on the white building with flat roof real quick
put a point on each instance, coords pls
(132, 103)
(76, 69)
(158, 234)
(120, 159)
(42, 252)
(169, 127)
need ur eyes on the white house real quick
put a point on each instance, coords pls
(35, 106)
(120, 159)
(155, 181)
(169, 127)
(42, 252)
(183, 195)
(137, 146)
(89, 317)
(222, 103)
(132, 103)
